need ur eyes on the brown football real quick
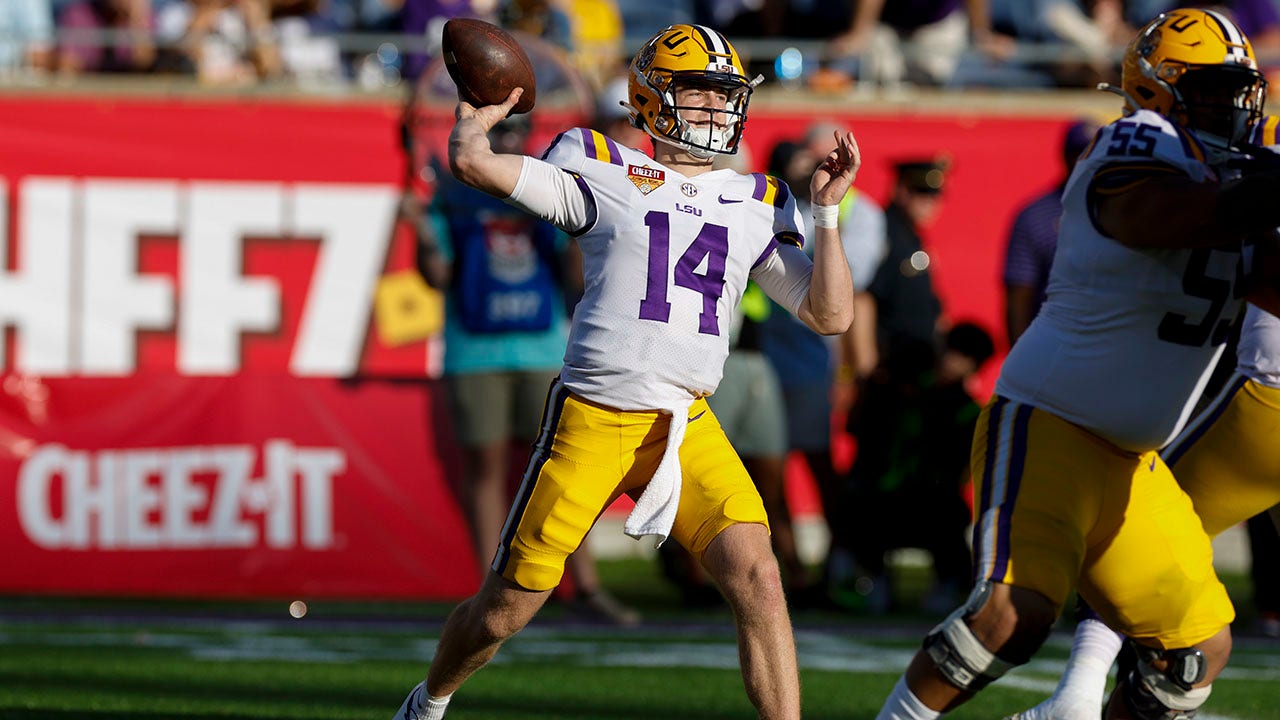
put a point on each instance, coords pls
(486, 63)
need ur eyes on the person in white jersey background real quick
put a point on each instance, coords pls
(1071, 490)
(668, 246)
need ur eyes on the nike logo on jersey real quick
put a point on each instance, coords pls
(1152, 466)
(726, 201)
(695, 417)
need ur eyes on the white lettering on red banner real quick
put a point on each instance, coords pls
(192, 498)
(78, 301)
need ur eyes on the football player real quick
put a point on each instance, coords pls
(668, 247)
(1228, 462)
(1071, 490)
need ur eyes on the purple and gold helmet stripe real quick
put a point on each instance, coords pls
(1234, 37)
(713, 41)
(599, 147)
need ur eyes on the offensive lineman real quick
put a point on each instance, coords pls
(1228, 462)
(1071, 489)
(668, 246)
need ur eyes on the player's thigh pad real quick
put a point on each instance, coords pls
(716, 490)
(574, 472)
(1228, 457)
(1152, 577)
(1043, 490)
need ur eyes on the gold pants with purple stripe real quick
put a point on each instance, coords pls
(1060, 508)
(587, 455)
(1228, 457)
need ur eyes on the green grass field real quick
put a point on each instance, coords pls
(241, 661)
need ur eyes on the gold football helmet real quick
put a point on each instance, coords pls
(1198, 69)
(683, 56)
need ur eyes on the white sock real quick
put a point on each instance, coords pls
(904, 705)
(435, 706)
(1079, 693)
(419, 705)
(1093, 650)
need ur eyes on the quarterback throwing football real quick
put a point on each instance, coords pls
(669, 245)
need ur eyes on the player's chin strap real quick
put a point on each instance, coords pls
(958, 654)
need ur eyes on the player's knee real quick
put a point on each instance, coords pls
(756, 577)
(496, 625)
(968, 661)
(1166, 685)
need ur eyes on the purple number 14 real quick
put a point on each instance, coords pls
(711, 243)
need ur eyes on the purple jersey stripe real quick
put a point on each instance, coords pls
(588, 143)
(592, 211)
(783, 194)
(772, 246)
(615, 157)
(762, 184)
(552, 146)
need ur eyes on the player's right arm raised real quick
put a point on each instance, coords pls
(471, 158)
(828, 307)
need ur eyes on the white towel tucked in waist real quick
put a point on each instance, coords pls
(655, 511)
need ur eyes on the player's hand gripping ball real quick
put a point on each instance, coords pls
(486, 63)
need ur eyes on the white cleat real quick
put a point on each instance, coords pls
(411, 708)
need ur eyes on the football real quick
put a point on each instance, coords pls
(486, 63)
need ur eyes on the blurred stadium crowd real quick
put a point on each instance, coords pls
(824, 45)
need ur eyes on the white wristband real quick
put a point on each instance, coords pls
(824, 216)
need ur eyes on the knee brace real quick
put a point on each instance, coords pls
(1151, 694)
(958, 654)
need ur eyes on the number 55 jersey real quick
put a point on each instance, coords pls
(666, 260)
(1127, 338)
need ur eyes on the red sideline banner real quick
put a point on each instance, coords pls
(215, 352)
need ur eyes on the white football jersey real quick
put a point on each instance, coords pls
(666, 260)
(1127, 338)
(1259, 349)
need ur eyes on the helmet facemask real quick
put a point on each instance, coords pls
(688, 126)
(1221, 103)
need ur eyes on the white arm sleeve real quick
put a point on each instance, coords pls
(784, 276)
(552, 194)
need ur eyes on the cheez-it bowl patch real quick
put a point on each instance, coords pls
(646, 179)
